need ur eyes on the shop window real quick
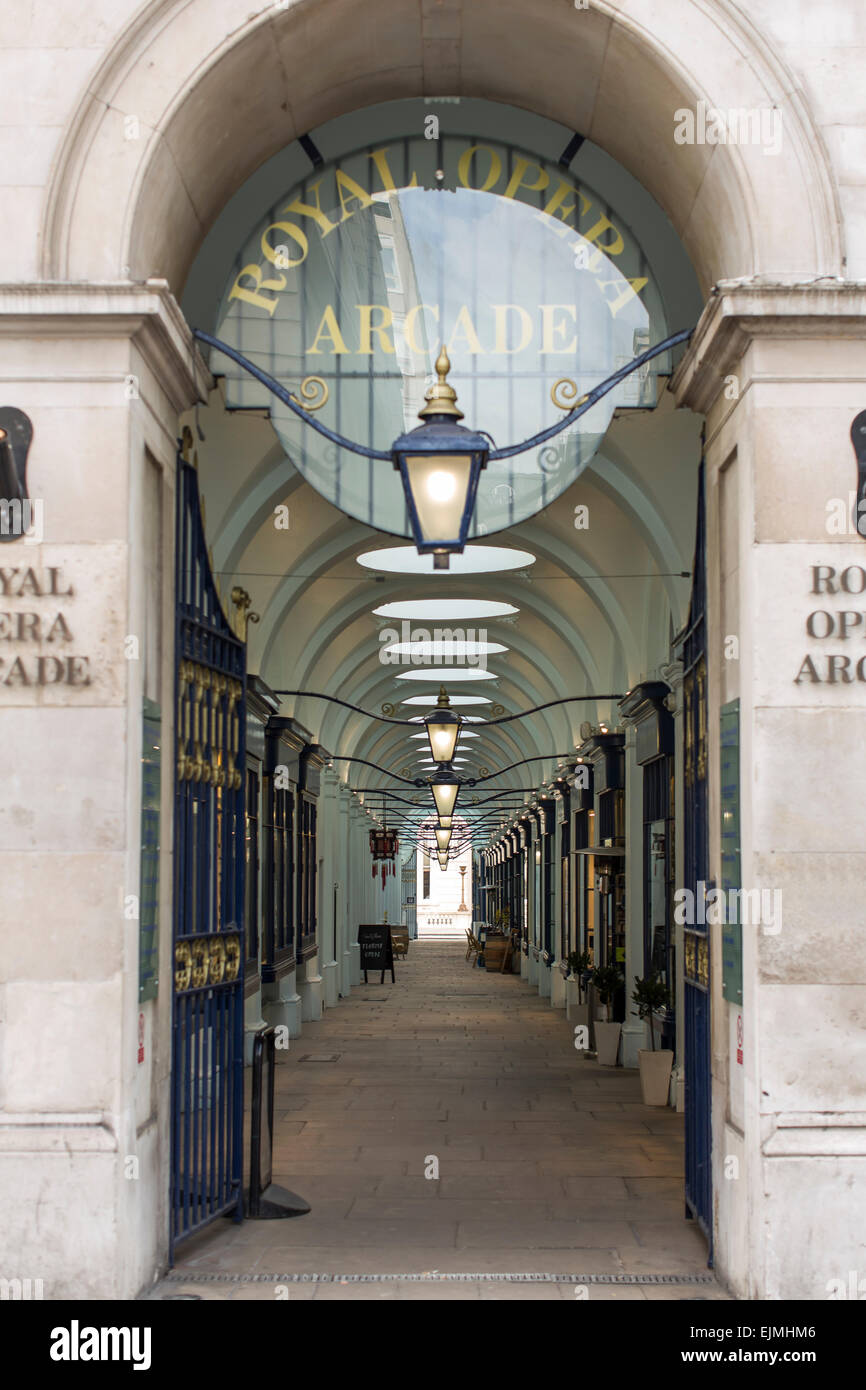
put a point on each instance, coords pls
(658, 869)
(279, 872)
(307, 874)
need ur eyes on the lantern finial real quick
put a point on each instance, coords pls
(441, 399)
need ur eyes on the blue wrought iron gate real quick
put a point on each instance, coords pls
(207, 1005)
(696, 1005)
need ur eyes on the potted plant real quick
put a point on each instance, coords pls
(607, 979)
(651, 994)
(576, 1003)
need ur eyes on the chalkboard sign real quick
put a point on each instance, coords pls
(376, 950)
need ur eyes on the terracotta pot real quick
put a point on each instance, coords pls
(655, 1075)
(607, 1037)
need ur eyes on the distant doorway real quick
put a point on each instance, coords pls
(444, 895)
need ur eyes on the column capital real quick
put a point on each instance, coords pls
(673, 674)
(740, 311)
(146, 313)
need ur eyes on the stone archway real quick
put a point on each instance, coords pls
(209, 92)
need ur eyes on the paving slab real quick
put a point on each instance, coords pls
(547, 1163)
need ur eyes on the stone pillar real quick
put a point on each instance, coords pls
(344, 952)
(557, 979)
(360, 911)
(328, 838)
(544, 957)
(780, 372)
(310, 987)
(102, 373)
(282, 1006)
(533, 908)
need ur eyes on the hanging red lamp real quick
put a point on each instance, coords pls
(384, 845)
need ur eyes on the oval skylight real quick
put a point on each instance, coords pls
(476, 559)
(455, 700)
(464, 733)
(446, 609)
(448, 673)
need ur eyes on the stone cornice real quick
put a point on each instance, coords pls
(147, 314)
(740, 311)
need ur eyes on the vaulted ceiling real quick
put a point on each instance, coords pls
(595, 611)
(607, 580)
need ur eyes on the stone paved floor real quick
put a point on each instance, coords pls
(547, 1162)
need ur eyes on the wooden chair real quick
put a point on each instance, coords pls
(400, 941)
(472, 944)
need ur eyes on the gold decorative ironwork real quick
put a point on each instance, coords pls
(690, 962)
(688, 713)
(701, 763)
(496, 710)
(184, 761)
(199, 951)
(311, 387)
(182, 966)
(703, 966)
(696, 959)
(208, 960)
(216, 960)
(388, 710)
(208, 716)
(563, 393)
(233, 957)
(242, 616)
(233, 776)
(201, 683)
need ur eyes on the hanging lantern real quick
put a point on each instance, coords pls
(444, 786)
(443, 729)
(440, 462)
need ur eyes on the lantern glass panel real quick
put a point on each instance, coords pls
(444, 795)
(440, 486)
(443, 736)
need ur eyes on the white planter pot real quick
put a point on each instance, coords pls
(655, 1075)
(607, 1042)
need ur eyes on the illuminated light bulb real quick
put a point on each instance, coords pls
(441, 486)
